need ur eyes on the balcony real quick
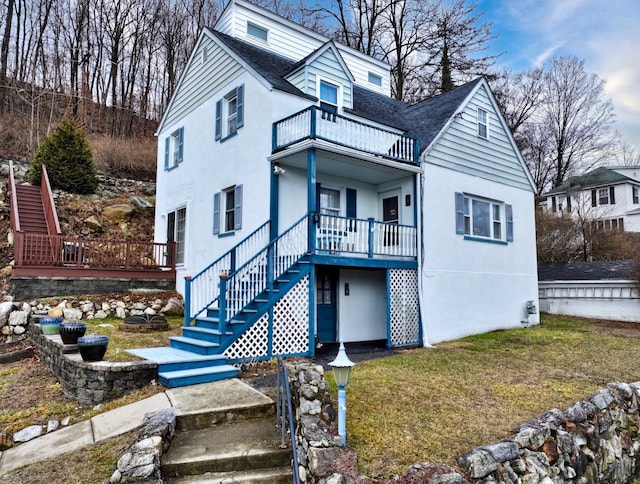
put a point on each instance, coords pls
(314, 123)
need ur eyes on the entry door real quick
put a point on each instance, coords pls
(390, 203)
(326, 307)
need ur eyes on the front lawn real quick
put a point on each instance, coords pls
(434, 404)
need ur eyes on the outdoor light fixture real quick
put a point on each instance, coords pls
(341, 367)
(278, 170)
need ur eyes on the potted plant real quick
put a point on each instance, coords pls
(70, 332)
(50, 324)
(93, 348)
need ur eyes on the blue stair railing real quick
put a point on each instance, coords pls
(203, 289)
(259, 274)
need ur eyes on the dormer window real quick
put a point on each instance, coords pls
(375, 79)
(483, 123)
(328, 96)
(256, 31)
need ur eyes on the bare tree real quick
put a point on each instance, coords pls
(579, 116)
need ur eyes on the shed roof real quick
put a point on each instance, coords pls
(586, 271)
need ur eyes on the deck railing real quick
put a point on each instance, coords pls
(39, 250)
(352, 236)
(50, 213)
(315, 123)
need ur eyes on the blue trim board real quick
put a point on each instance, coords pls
(388, 306)
(312, 310)
(274, 205)
(485, 240)
(362, 262)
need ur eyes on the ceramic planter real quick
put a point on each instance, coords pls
(50, 324)
(93, 348)
(70, 332)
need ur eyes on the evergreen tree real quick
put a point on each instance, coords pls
(68, 159)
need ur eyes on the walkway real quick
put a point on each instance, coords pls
(205, 398)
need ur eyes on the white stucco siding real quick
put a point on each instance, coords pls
(362, 313)
(472, 286)
(461, 149)
(200, 81)
(210, 166)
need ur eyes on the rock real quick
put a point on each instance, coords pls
(56, 312)
(118, 213)
(19, 330)
(53, 425)
(7, 330)
(120, 304)
(136, 312)
(161, 423)
(149, 312)
(139, 306)
(87, 307)
(93, 223)
(27, 434)
(5, 309)
(115, 477)
(174, 307)
(141, 461)
(100, 315)
(141, 202)
(478, 462)
(321, 459)
(18, 318)
(65, 421)
(6, 271)
(106, 306)
(72, 314)
(121, 313)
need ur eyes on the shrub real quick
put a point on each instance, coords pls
(68, 159)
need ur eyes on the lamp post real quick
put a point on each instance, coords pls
(341, 367)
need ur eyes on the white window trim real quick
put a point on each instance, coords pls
(186, 231)
(341, 199)
(224, 210)
(338, 87)
(480, 123)
(258, 27)
(464, 219)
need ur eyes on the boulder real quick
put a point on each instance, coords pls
(93, 223)
(5, 310)
(118, 213)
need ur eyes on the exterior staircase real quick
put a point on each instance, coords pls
(31, 210)
(239, 443)
(198, 355)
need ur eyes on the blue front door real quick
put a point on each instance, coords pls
(326, 294)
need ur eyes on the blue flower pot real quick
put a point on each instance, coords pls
(50, 324)
(93, 348)
(70, 332)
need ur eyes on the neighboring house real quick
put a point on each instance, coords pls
(307, 204)
(608, 195)
(602, 290)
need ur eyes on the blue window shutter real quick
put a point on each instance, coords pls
(237, 216)
(216, 213)
(594, 195)
(218, 119)
(167, 143)
(240, 111)
(180, 144)
(509, 216)
(351, 203)
(459, 213)
(612, 195)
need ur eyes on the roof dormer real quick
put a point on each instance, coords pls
(325, 75)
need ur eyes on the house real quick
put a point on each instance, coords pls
(608, 195)
(308, 205)
(601, 289)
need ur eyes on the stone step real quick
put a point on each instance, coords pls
(236, 447)
(276, 475)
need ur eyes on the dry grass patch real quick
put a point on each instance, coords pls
(434, 404)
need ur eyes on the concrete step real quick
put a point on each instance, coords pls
(237, 447)
(276, 475)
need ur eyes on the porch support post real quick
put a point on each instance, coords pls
(371, 221)
(311, 197)
(187, 300)
(273, 204)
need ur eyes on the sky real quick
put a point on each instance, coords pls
(603, 33)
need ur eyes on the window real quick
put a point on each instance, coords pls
(615, 224)
(375, 79)
(173, 149)
(569, 203)
(176, 229)
(328, 96)
(227, 208)
(603, 196)
(230, 113)
(483, 123)
(636, 195)
(479, 218)
(258, 32)
(329, 201)
(204, 55)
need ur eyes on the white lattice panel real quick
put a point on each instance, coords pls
(253, 343)
(405, 308)
(291, 321)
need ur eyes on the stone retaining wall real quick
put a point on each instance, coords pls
(90, 383)
(26, 288)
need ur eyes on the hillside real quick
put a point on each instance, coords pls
(85, 215)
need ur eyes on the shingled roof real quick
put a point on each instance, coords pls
(586, 271)
(423, 120)
(599, 177)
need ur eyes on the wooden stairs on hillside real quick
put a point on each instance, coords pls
(198, 355)
(31, 209)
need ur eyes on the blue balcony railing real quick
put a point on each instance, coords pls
(316, 123)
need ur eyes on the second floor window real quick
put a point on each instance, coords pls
(603, 196)
(230, 113)
(173, 149)
(636, 195)
(328, 96)
(483, 123)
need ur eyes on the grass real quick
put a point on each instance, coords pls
(434, 404)
(427, 404)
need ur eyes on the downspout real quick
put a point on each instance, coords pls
(421, 302)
